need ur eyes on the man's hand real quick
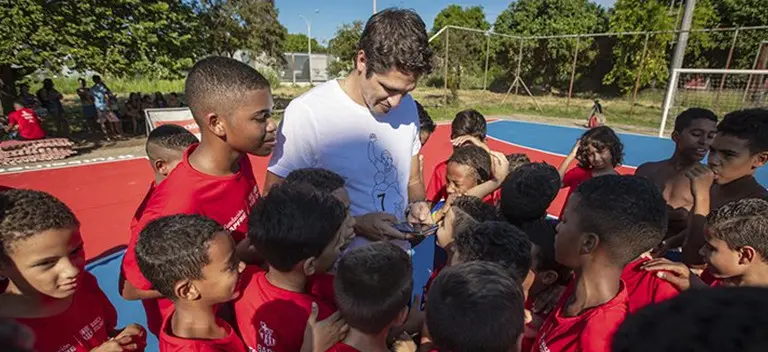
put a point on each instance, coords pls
(419, 213)
(377, 227)
(701, 178)
(319, 336)
(677, 274)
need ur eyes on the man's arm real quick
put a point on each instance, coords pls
(416, 189)
(271, 181)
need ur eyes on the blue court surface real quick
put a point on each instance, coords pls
(555, 141)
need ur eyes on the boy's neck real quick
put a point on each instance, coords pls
(16, 304)
(755, 276)
(367, 342)
(596, 284)
(291, 281)
(680, 161)
(215, 158)
(193, 320)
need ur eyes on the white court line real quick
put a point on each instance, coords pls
(542, 151)
(573, 127)
(68, 164)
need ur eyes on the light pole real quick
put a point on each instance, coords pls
(309, 46)
(374, 7)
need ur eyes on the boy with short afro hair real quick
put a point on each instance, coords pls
(475, 306)
(300, 232)
(608, 222)
(45, 285)
(373, 288)
(528, 191)
(191, 260)
(497, 242)
(232, 105)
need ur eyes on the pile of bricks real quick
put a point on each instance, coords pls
(23, 152)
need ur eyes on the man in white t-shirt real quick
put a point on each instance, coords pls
(366, 127)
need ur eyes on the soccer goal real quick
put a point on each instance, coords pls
(719, 90)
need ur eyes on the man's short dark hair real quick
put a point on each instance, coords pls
(741, 223)
(171, 137)
(497, 242)
(468, 210)
(528, 191)
(541, 232)
(373, 284)
(686, 118)
(750, 125)
(469, 123)
(627, 213)
(215, 83)
(725, 319)
(322, 179)
(475, 306)
(25, 213)
(425, 121)
(396, 39)
(476, 158)
(175, 248)
(294, 222)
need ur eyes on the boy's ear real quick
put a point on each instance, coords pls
(548, 277)
(402, 316)
(310, 266)
(760, 159)
(215, 123)
(674, 136)
(158, 165)
(747, 255)
(589, 242)
(185, 289)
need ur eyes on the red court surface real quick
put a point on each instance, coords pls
(105, 196)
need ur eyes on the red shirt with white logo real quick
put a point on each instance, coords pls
(85, 325)
(171, 343)
(29, 123)
(342, 347)
(644, 287)
(591, 331)
(225, 199)
(273, 319)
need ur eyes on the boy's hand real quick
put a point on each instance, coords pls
(419, 213)
(701, 178)
(377, 227)
(499, 166)
(677, 274)
(132, 338)
(461, 140)
(575, 149)
(319, 336)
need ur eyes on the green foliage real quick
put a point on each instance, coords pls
(739, 13)
(297, 43)
(344, 47)
(466, 50)
(548, 62)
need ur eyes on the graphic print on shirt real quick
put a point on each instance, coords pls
(386, 187)
(242, 214)
(265, 337)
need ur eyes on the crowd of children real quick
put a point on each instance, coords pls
(219, 267)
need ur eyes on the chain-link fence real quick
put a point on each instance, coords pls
(562, 75)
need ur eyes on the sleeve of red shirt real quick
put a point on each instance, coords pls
(575, 176)
(598, 333)
(12, 117)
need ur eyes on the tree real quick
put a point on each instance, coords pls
(549, 62)
(297, 43)
(158, 38)
(739, 13)
(466, 50)
(344, 47)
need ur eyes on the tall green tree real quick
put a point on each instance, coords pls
(156, 38)
(739, 13)
(344, 47)
(297, 43)
(548, 62)
(466, 50)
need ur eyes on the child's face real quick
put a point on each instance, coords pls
(599, 158)
(694, 140)
(569, 237)
(250, 127)
(18, 106)
(219, 282)
(331, 252)
(445, 229)
(459, 178)
(730, 158)
(49, 263)
(722, 261)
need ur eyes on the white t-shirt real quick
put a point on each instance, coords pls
(325, 128)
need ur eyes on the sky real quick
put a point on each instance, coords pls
(326, 16)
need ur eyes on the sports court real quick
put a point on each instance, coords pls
(105, 195)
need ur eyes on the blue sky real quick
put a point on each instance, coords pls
(333, 13)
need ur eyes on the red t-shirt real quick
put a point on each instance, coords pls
(710, 279)
(273, 319)
(226, 199)
(644, 287)
(85, 325)
(140, 210)
(171, 343)
(591, 331)
(437, 189)
(29, 123)
(342, 347)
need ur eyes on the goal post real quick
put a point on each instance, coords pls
(734, 90)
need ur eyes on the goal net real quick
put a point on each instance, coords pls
(719, 90)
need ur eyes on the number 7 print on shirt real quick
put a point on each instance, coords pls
(386, 190)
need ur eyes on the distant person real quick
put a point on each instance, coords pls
(103, 100)
(133, 111)
(174, 101)
(87, 105)
(159, 101)
(29, 100)
(24, 124)
(50, 98)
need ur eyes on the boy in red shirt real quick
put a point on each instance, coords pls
(191, 260)
(373, 288)
(476, 306)
(46, 286)
(26, 122)
(608, 222)
(232, 105)
(299, 231)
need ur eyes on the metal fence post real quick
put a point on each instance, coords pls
(639, 74)
(445, 62)
(573, 74)
(519, 66)
(727, 66)
(487, 57)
